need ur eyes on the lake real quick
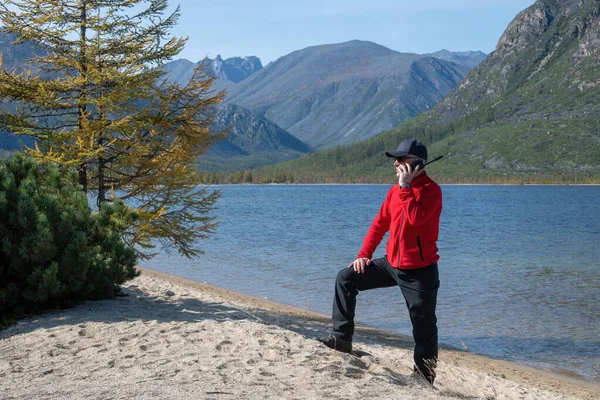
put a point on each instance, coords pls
(519, 265)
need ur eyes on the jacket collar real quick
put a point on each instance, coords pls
(420, 180)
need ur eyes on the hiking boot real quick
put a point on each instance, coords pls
(335, 343)
(429, 377)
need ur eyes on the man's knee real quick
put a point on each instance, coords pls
(346, 275)
(346, 280)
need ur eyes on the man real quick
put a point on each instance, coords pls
(411, 213)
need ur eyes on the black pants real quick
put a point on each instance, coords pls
(419, 287)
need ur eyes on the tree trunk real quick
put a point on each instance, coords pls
(82, 94)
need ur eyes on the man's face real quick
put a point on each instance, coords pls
(403, 160)
(406, 160)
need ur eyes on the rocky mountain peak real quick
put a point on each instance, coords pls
(550, 48)
(532, 22)
(235, 69)
(466, 58)
(527, 25)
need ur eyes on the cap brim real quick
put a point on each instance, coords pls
(396, 153)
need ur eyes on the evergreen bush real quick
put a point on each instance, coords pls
(54, 252)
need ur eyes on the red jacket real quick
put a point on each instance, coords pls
(412, 216)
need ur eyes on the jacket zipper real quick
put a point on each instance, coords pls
(420, 248)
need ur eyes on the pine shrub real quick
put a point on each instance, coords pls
(54, 252)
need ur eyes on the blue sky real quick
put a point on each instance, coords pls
(270, 29)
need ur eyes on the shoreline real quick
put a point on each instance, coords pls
(169, 337)
(509, 369)
(388, 184)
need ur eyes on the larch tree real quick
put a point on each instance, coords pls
(95, 97)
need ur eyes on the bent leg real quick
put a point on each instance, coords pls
(347, 285)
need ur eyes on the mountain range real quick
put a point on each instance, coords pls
(341, 93)
(252, 141)
(228, 71)
(323, 95)
(469, 59)
(530, 112)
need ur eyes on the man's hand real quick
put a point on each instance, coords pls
(405, 173)
(359, 264)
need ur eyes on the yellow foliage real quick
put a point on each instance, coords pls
(101, 103)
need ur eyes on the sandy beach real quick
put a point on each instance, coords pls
(171, 338)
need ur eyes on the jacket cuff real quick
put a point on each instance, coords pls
(405, 193)
(364, 255)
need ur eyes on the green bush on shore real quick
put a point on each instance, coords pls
(54, 252)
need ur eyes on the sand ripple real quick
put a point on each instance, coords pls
(170, 339)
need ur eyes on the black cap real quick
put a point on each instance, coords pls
(409, 146)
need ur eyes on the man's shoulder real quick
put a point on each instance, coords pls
(431, 182)
(431, 185)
